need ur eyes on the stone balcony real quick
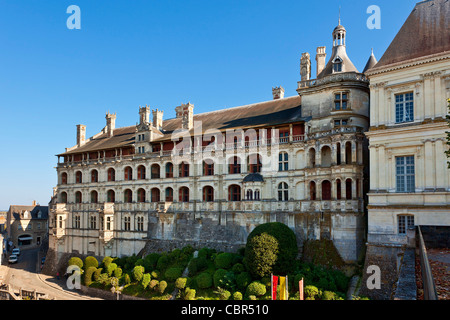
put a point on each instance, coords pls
(333, 78)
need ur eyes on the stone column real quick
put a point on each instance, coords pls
(429, 162)
(373, 152)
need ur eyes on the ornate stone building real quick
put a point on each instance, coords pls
(409, 178)
(208, 179)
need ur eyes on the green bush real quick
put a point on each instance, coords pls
(127, 278)
(117, 272)
(219, 277)
(138, 273)
(189, 294)
(328, 295)
(151, 260)
(223, 260)
(88, 275)
(271, 248)
(163, 263)
(237, 296)
(223, 294)
(146, 278)
(162, 286)
(238, 268)
(204, 280)
(243, 280)
(114, 282)
(97, 273)
(90, 262)
(103, 279)
(311, 292)
(110, 268)
(172, 274)
(75, 261)
(155, 274)
(180, 283)
(153, 284)
(197, 265)
(106, 261)
(256, 289)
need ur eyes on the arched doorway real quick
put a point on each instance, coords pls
(24, 240)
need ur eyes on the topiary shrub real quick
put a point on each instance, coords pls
(243, 280)
(88, 275)
(223, 294)
(238, 268)
(110, 268)
(153, 284)
(223, 260)
(151, 260)
(172, 274)
(180, 283)
(311, 292)
(256, 288)
(97, 273)
(189, 294)
(114, 282)
(146, 278)
(204, 280)
(155, 274)
(117, 272)
(162, 286)
(163, 263)
(271, 248)
(138, 273)
(106, 261)
(127, 278)
(237, 296)
(90, 262)
(328, 295)
(75, 261)
(219, 277)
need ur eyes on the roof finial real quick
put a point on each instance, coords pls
(339, 22)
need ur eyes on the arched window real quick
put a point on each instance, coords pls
(64, 178)
(141, 172)
(312, 157)
(63, 197)
(169, 170)
(155, 194)
(128, 174)
(111, 195)
(325, 157)
(338, 189)
(234, 165)
(348, 152)
(141, 195)
(155, 171)
(257, 196)
(234, 193)
(283, 161)
(94, 176)
(78, 177)
(184, 194)
(254, 163)
(348, 189)
(208, 194)
(249, 194)
(208, 167)
(184, 169)
(312, 190)
(283, 192)
(78, 197)
(127, 196)
(169, 194)
(326, 190)
(111, 174)
(94, 196)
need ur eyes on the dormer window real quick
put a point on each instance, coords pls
(337, 65)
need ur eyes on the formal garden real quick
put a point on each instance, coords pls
(206, 274)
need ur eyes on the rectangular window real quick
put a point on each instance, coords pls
(340, 101)
(404, 107)
(404, 223)
(405, 174)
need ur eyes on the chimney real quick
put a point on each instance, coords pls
(144, 115)
(305, 66)
(278, 93)
(81, 134)
(33, 203)
(110, 123)
(186, 113)
(320, 59)
(157, 119)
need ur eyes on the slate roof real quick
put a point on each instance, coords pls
(17, 210)
(253, 177)
(268, 113)
(425, 32)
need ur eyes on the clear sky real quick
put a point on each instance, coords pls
(129, 53)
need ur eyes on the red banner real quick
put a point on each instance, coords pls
(274, 287)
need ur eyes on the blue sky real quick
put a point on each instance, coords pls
(129, 53)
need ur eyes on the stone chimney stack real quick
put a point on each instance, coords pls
(320, 59)
(278, 93)
(186, 113)
(33, 203)
(157, 119)
(81, 134)
(144, 115)
(110, 123)
(305, 66)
